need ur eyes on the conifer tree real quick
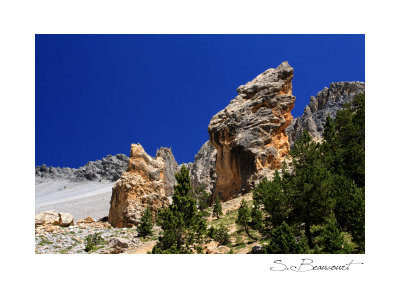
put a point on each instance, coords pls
(182, 225)
(310, 185)
(244, 218)
(332, 241)
(282, 241)
(273, 199)
(217, 208)
(146, 224)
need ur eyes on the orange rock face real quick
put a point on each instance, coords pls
(249, 134)
(142, 185)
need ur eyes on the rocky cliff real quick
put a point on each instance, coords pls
(327, 102)
(249, 134)
(147, 183)
(109, 168)
(202, 171)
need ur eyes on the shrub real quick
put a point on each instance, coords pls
(221, 235)
(92, 240)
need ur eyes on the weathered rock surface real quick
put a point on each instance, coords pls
(47, 217)
(66, 219)
(144, 184)
(327, 102)
(170, 169)
(53, 218)
(249, 134)
(109, 168)
(202, 172)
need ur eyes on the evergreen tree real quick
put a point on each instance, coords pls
(202, 198)
(146, 224)
(182, 225)
(217, 208)
(244, 218)
(282, 241)
(257, 222)
(310, 186)
(332, 241)
(273, 199)
(302, 246)
(350, 208)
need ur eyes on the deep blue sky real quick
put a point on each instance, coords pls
(97, 94)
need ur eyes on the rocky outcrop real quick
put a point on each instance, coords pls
(145, 184)
(202, 172)
(170, 169)
(327, 102)
(109, 168)
(249, 134)
(54, 218)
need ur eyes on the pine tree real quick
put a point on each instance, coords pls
(282, 241)
(217, 208)
(183, 227)
(332, 241)
(244, 218)
(202, 198)
(310, 186)
(350, 208)
(302, 246)
(273, 199)
(257, 221)
(146, 224)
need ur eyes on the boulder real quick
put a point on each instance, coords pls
(47, 217)
(66, 219)
(118, 243)
(249, 134)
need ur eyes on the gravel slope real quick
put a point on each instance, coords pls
(81, 199)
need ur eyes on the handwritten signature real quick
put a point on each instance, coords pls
(308, 265)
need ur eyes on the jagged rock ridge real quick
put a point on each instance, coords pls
(327, 102)
(146, 183)
(249, 134)
(109, 168)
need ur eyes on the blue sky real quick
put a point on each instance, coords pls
(97, 94)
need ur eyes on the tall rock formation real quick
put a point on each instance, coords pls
(327, 102)
(249, 134)
(202, 172)
(146, 183)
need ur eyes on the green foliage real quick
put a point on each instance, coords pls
(217, 208)
(146, 224)
(202, 198)
(92, 241)
(282, 241)
(244, 217)
(344, 153)
(344, 141)
(332, 240)
(310, 185)
(302, 246)
(257, 221)
(221, 235)
(182, 224)
(273, 199)
(350, 208)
